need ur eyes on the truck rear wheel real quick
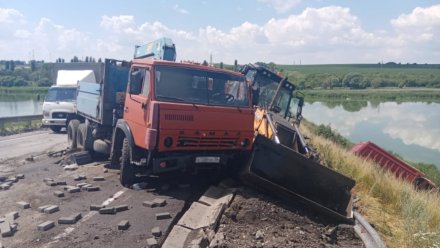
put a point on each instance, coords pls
(80, 136)
(72, 129)
(128, 172)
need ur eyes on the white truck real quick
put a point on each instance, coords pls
(60, 102)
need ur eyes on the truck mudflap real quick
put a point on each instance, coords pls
(279, 170)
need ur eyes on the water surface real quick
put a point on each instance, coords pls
(411, 129)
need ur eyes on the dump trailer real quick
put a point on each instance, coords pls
(154, 116)
(399, 168)
(281, 162)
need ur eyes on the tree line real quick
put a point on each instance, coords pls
(15, 73)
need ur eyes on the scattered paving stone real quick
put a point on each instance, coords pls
(108, 210)
(149, 204)
(105, 170)
(20, 176)
(5, 186)
(23, 204)
(12, 179)
(156, 231)
(46, 225)
(140, 186)
(160, 202)
(96, 207)
(73, 189)
(92, 188)
(123, 225)
(70, 220)
(61, 183)
(2, 219)
(51, 183)
(80, 185)
(152, 243)
(12, 216)
(121, 208)
(71, 167)
(47, 179)
(42, 208)
(51, 209)
(58, 193)
(151, 190)
(162, 216)
(79, 178)
(98, 179)
(5, 229)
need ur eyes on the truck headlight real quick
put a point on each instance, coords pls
(168, 142)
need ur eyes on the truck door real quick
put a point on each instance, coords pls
(137, 103)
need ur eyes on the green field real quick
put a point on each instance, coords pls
(362, 75)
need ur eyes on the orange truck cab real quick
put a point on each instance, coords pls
(172, 116)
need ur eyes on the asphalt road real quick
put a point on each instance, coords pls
(94, 229)
(30, 144)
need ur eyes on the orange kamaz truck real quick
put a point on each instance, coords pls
(154, 115)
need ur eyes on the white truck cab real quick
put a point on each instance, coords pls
(60, 102)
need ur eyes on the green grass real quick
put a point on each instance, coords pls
(24, 90)
(403, 216)
(19, 127)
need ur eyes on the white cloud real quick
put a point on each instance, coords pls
(11, 16)
(281, 6)
(330, 34)
(180, 10)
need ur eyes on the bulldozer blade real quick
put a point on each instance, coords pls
(286, 173)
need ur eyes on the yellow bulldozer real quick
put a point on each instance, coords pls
(281, 162)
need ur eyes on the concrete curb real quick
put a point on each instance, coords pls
(202, 217)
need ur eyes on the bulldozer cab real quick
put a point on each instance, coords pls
(274, 93)
(281, 161)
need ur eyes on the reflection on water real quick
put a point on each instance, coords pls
(16, 105)
(411, 129)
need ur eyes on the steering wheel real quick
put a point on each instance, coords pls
(227, 97)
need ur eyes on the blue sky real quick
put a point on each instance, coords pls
(285, 32)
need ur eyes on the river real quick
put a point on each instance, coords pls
(411, 129)
(18, 105)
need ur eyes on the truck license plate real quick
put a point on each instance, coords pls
(207, 159)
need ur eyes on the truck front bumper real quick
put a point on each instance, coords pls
(53, 122)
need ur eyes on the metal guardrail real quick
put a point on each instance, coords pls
(25, 118)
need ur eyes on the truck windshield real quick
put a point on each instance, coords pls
(200, 87)
(58, 94)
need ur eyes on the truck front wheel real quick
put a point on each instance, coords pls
(72, 129)
(127, 171)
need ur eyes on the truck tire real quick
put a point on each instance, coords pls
(55, 129)
(128, 172)
(72, 129)
(80, 136)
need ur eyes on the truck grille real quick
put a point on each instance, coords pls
(206, 142)
(59, 115)
(179, 117)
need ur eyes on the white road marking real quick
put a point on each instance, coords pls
(86, 217)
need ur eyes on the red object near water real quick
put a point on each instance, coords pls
(388, 161)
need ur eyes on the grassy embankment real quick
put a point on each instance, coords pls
(403, 216)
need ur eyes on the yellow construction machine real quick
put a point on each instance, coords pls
(281, 162)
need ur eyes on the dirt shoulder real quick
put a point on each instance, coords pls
(257, 220)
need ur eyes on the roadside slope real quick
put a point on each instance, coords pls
(403, 216)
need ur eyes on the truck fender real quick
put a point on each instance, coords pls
(122, 130)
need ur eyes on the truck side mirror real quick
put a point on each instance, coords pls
(135, 83)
